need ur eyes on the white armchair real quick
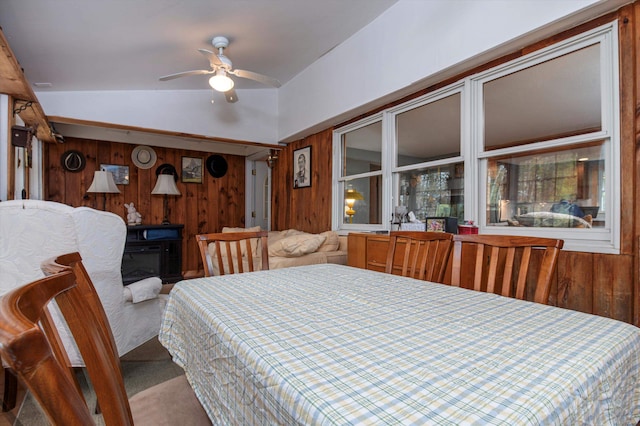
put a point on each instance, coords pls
(32, 231)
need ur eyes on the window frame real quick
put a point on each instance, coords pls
(339, 182)
(475, 157)
(607, 239)
(391, 118)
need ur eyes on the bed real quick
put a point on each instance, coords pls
(332, 344)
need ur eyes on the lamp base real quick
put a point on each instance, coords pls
(165, 221)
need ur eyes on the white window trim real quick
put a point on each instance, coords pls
(390, 115)
(475, 158)
(606, 240)
(338, 181)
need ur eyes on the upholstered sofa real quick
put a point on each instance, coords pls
(293, 248)
(32, 231)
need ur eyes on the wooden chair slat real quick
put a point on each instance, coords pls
(508, 272)
(495, 257)
(493, 271)
(229, 247)
(425, 254)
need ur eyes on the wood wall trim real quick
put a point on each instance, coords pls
(13, 83)
(105, 125)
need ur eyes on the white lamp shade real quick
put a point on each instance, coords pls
(103, 183)
(166, 185)
(221, 82)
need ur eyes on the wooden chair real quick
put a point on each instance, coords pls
(424, 254)
(233, 252)
(493, 267)
(31, 346)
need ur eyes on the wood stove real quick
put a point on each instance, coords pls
(152, 251)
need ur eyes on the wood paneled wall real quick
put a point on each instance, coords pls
(307, 209)
(602, 284)
(205, 207)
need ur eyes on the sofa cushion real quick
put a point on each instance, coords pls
(296, 245)
(339, 257)
(332, 243)
(275, 236)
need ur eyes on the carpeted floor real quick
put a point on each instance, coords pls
(142, 368)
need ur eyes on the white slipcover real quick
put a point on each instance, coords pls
(32, 231)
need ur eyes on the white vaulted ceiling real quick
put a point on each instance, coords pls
(127, 45)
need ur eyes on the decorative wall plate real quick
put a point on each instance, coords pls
(217, 165)
(144, 156)
(73, 161)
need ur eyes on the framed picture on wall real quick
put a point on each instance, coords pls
(191, 170)
(302, 167)
(120, 173)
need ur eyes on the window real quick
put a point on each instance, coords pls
(428, 173)
(435, 191)
(548, 144)
(529, 147)
(560, 189)
(359, 166)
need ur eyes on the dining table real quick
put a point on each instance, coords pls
(337, 345)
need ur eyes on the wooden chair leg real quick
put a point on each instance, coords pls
(10, 390)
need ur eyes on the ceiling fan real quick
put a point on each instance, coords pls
(221, 67)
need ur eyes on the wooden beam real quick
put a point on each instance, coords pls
(25, 104)
(105, 125)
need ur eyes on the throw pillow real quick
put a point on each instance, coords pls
(296, 245)
(275, 236)
(332, 243)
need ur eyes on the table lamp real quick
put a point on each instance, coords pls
(166, 185)
(103, 183)
(350, 197)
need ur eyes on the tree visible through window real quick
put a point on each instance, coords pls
(567, 182)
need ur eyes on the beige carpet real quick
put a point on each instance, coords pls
(145, 366)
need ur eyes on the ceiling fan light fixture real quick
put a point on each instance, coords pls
(221, 82)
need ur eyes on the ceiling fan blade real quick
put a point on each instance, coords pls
(185, 73)
(214, 61)
(231, 96)
(257, 77)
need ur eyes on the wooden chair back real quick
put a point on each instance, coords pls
(424, 254)
(494, 265)
(233, 252)
(32, 348)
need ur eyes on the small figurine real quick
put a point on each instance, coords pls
(133, 217)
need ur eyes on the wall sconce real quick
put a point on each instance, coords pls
(350, 197)
(103, 183)
(166, 185)
(272, 158)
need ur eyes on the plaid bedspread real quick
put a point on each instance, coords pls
(330, 344)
